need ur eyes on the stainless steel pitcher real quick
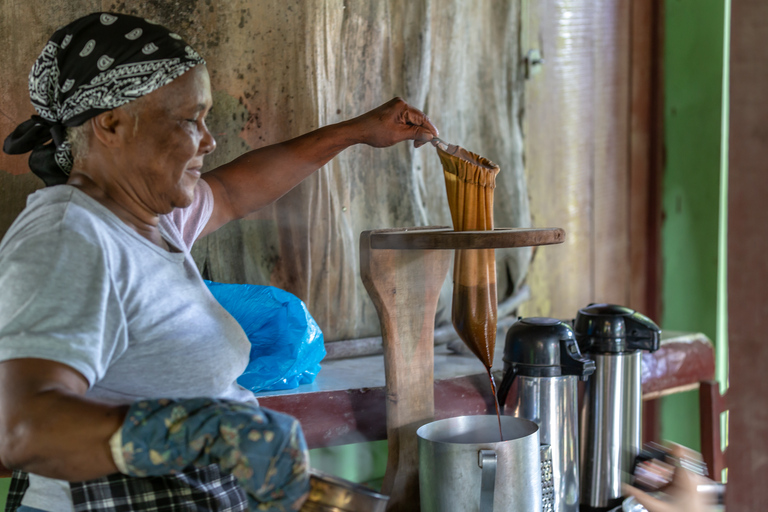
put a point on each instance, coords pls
(465, 467)
(611, 413)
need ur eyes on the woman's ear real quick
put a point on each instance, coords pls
(107, 126)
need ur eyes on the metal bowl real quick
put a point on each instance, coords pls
(328, 493)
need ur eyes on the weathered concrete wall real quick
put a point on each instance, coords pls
(281, 68)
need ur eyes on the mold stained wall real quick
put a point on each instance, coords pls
(693, 232)
(280, 68)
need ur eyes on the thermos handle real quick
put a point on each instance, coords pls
(506, 384)
(486, 459)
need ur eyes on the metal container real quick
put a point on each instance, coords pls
(465, 467)
(328, 493)
(611, 433)
(611, 429)
(541, 356)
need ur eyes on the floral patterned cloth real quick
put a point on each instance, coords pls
(264, 450)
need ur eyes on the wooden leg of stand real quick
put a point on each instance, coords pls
(711, 404)
(404, 285)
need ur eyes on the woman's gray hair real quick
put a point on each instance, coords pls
(78, 139)
(78, 135)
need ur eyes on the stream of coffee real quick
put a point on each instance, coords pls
(495, 401)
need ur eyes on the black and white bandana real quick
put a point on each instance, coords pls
(94, 64)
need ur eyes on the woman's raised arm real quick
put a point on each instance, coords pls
(260, 177)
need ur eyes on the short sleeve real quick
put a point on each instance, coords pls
(57, 302)
(191, 221)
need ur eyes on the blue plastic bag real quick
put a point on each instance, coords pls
(286, 343)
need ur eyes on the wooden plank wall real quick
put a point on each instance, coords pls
(646, 155)
(747, 455)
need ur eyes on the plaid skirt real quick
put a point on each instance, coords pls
(204, 489)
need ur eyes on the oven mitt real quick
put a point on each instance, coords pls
(264, 450)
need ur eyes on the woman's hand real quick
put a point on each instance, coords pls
(393, 122)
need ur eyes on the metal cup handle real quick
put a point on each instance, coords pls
(486, 459)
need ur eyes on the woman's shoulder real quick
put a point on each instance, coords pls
(59, 212)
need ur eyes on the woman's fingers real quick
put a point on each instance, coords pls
(393, 122)
(416, 117)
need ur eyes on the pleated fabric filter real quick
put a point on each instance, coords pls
(470, 180)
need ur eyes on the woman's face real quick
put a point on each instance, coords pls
(165, 154)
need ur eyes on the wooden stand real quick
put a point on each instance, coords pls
(403, 271)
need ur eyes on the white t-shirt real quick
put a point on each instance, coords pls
(80, 287)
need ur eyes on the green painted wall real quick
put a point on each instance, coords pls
(693, 291)
(362, 463)
(4, 483)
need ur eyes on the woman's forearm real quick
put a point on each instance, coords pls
(260, 177)
(48, 427)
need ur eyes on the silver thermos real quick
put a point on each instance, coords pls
(542, 358)
(611, 412)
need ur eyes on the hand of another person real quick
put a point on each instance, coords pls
(682, 493)
(393, 122)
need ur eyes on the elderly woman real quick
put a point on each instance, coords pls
(108, 335)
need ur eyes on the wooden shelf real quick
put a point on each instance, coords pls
(442, 237)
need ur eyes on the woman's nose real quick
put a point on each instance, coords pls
(207, 143)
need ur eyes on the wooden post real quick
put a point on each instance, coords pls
(711, 405)
(405, 286)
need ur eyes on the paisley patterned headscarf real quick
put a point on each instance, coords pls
(94, 64)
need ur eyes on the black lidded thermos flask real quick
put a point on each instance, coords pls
(544, 358)
(611, 412)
